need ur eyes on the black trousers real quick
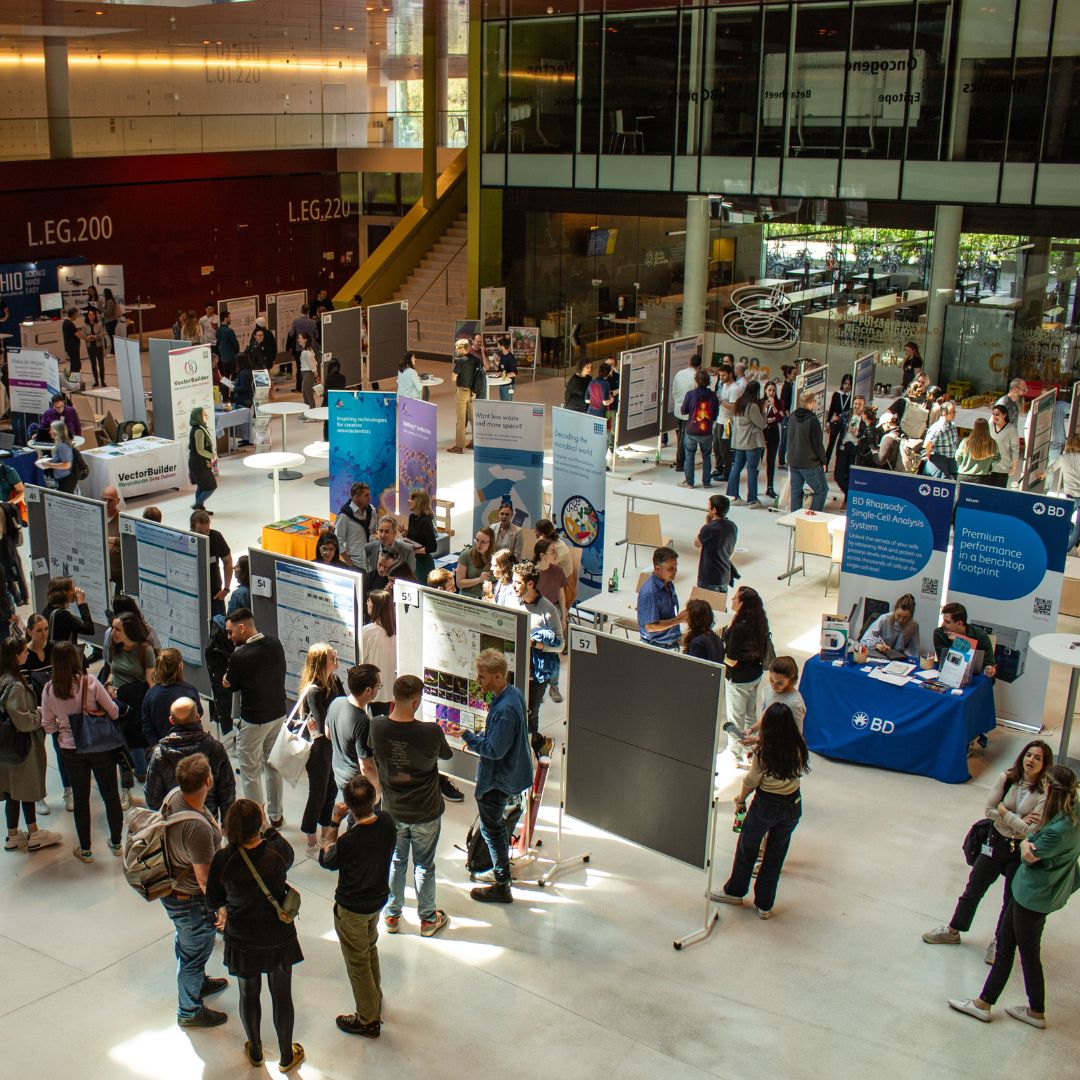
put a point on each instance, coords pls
(680, 453)
(772, 445)
(721, 453)
(1018, 928)
(537, 690)
(79, 768)
(322, 787)
(12, 808)
(845, 456)
(998, 479)
(1003, 862)
(97, 362)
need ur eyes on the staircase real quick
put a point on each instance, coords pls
(435, 290)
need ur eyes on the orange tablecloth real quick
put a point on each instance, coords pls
(298, 539)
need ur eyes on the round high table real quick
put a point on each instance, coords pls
(284, 409)
(1063, 649)
(495, 383)
(320, 451)
(278, 462)
(140, 308)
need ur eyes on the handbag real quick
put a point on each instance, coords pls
(289, 908)
(979, 834)
(292, 747)
(94, 733)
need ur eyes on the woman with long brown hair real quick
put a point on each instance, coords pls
(474, 563)
(421, 531)
(700, 639)
(378, 641)
(746, 640)
(319, 685)
(976, 455)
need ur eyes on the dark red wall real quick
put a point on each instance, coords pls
(259, 219)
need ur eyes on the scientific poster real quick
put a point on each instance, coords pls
(417, 449)
(677, 354)
(363, 446)
(1039, 432)
(816, 379)
(33, 380)
(286, 307)
(578, 448)
(493, 308)
(525, 345)
(76, 536)
(863, 377)
(244, 311)
(508, 460)
(191, 385)
(640, 382)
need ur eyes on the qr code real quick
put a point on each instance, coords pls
(930, 586)
(1042, 606)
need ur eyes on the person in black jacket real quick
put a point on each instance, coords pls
(63, 626)
(839, 404)
(263, 345)
(577, 386)
(746, 640)
(187, 737)
(806, 454)
(466, 364)
(257, 942)
(227, 346)
(319, 686)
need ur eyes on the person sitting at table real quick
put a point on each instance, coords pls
(59, 409)
(896, 633)
(328, 551)
(954, 623)
(63, 458)
(658, 613)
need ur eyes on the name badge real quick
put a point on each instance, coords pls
(987, 849)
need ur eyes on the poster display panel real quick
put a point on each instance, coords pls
(896, 542)
(508, 460)
(638, 403)
(525, 345)
(130, 377)
(388, 338)
(109, 276)
(677, 354)
(363, 438)
(33, 380)
(862, 379)
(191, 385)
(74, 283)
(1039, 432)
(1007, 568)
(1074, 410)
(493, 308)
(244, 311)
(815, 379)
(281, 309)
(341, 335)
(417, 442)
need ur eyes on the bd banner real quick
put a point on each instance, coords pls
(417, 449)
(896, 542)
(1008, 564)
(579, 450)
(363, 446)
(508, 461)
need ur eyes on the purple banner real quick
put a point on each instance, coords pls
(416, 439)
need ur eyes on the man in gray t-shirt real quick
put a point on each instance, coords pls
(347, 722)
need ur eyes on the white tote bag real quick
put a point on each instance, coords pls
(292, 747)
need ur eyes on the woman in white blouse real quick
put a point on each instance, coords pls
(408, 381)
(378, 640)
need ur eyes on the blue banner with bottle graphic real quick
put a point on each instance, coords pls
(363, 446)
(508, 461)
(896, 542)
(1007, 568)
(578, 451)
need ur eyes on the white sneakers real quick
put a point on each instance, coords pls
(966, 1005)
(69, 800)
(42, 807)
(1024, 1015)
(41, 838)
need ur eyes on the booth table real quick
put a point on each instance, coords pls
(284, 409)
(696, 498)
(230, 419)
(909, 729)
(138, 467)
(297, 536)
(22, 461)
(623, 605)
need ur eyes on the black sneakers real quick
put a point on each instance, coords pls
(351, 1024)
(212, 986)
(450, 791)
(204, 1018)
(493, 894)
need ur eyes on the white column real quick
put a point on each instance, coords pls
(58, 97)
(696, 265)
(947, 223)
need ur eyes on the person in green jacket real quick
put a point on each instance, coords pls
(1047, 877)
(977, 455)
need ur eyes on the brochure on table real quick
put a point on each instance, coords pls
(363, 430)
(1007, 568)
(33, 380)
(508, 461)
(578, 491)
(417, 449)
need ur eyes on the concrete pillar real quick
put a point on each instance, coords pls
(442, 75)
(947, 223)
(1036, 279)
(58, 97)
(695, 265)
(431, 102)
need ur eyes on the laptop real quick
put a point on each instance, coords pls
(7, 440)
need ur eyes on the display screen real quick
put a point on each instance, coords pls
(602, 241)
(52, 303)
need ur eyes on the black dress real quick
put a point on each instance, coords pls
(256, 940)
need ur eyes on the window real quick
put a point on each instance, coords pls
(730, 86)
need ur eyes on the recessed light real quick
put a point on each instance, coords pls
(337, 27)
(350, 28)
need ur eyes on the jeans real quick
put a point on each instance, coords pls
(537, 690)
(421, 838)
(703, 444)
(506, 392)
(987, 869)
(464, 404)
(322, 787)
(740, 701)
(193, 943)
(201, 495)
(60, 768)
(357, 935)
(815, 480)
(752, 460)
(1074, 532)
(492, 809)
(79, 768)
(253, 745)
(940, 466)
(1018, 928)
(771, 818)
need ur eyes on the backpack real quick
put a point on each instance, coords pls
(147, 866)
(79, 469)
(14, 744)
(477, 855)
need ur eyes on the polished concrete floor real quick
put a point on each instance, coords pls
(577, 980)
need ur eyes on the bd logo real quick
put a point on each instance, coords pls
(1049, 509)
(861, 721)
(924, 489)
(1039, 508)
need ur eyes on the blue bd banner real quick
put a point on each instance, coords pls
(508, 461)
(363, 446)
(896, 542)
(579, 448)
(1008, 564)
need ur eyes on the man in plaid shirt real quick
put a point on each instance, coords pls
(940, 445)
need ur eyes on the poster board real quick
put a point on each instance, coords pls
(130, 377)
(508, 460)
(493, 309)
(67, 539)
(109, 276)
(635, 765)
(281, 309)
(862, 378)
(677, 353)
(417, 449)
(816, 379)
(341, 334)
(1074, 411)
(439, 637)
(464, 328)
(181, 380)
(363, 435)
(525, 345)
(637, 408)
(74, 283)
(33, 380)
(302, 603)
(388, 338)
(168, 571)
(244, 311)
(1038, 434)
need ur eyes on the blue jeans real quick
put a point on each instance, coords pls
(201, 496)
(492, 809)
(771, 818)
(940, 466)
(421, 838)
(194, 942)
(703, 444)
(506, 393)
(752, 460)
(814, 479)
(1074, 533)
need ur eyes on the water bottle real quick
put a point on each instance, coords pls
(738, 823)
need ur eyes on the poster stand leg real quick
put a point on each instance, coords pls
(712, 913)
(562, 864)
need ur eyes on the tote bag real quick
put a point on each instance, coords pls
(292, 747)
(94, 732)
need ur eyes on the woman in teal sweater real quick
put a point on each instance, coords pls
(1048, 875)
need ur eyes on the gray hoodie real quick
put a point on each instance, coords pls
(805, 446)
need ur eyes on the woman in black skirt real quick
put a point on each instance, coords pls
(256, 940)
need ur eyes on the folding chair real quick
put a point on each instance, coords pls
(642, 530)
(812, 538)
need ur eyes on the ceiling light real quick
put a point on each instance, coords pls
(337, 27)
(351, 29)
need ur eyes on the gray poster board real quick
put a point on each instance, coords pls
(129, 375)
(388, 338)
(1074, 411)
(677, 353)
(302, 603)
(161, 383)
(281, 309)
(445, 661)
(641, 747)
(639, 405)
(342, 337)
(1039, 432)
(816, 379)
(862, 378)
(171, 581)
(77, 549)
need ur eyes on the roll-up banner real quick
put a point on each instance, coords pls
(578, 450)
(508, 461)
(33, 380)
(677, 354)
(417, 449)
(896, 542)
(363, 430)
(1008, 564)
(191, 385)
(862, 380)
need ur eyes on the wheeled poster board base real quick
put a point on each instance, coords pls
(560, 865)
(712, 910)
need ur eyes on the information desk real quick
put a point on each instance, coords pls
(852, 717)
(22, 461)
(138, 467)
(295, 536)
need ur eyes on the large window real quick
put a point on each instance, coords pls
(730, 87)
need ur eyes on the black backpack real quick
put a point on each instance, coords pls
(14, 744)
(477, 855)
(79, 469)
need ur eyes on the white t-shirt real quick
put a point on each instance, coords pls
(208, 330)
(381, 650)
(307, 361)
(681, 385)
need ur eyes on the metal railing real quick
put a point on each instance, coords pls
(444, 273)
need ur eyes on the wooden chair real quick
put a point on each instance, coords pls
(812, 538)
(642, 530)
(443, 509)
(91, 421)
(716, 600)
(836, 559)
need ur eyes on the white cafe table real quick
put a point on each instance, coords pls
(623, 605)
(284, 409)
(321, 452)
(322, 412)
(1063, 649)
(277, 462)
(494, 384)
(696, 498)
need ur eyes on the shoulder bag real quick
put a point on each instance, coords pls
(292, 747)
(286, 911)
(94, 732)
(979, 834)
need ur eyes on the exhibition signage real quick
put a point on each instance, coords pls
(862, 381)
(525, 345)
(191, 386)
(33, 380)
(1040, 427)
(281, 310)
(75, 282)
(508, 460)
(896, 542)
(417, 449)
(363, 429)
(1007, 568)
(815, 379)
(578, 450)
(493, 308)
(23, 284)
(130, 377)
(677, 354)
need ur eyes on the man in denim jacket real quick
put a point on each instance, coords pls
(545, 636)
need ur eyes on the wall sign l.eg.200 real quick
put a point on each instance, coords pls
(76, 230)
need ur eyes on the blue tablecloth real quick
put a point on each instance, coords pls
(22, 461)
(906, 728)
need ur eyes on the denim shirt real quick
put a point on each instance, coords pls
(505, 764)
